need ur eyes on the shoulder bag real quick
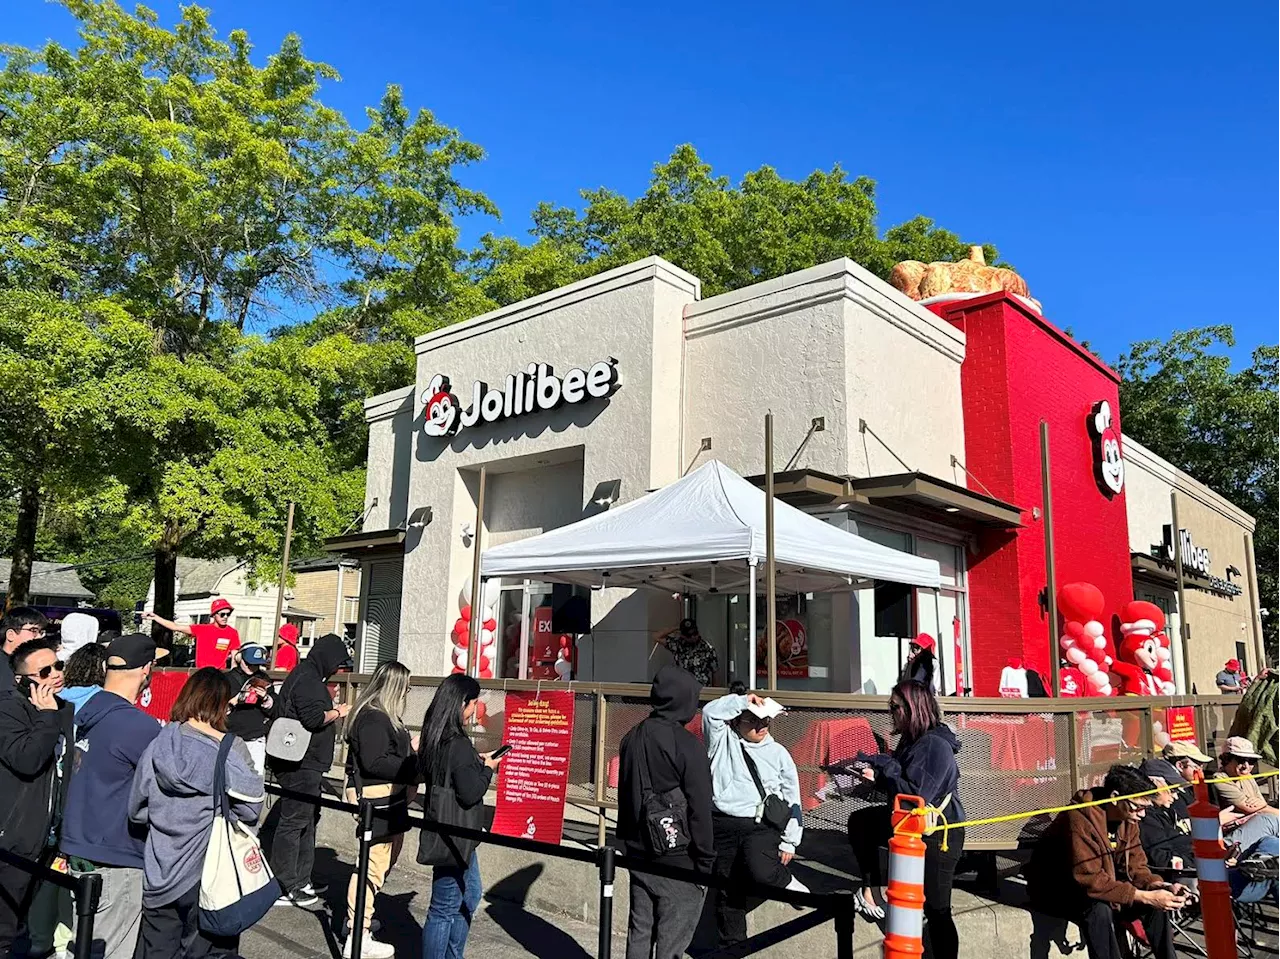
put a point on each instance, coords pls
(773, 811)
(287, 739)
(441, 806)
(236, 885)
(665, 815)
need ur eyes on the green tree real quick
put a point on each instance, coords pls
(1181, 398)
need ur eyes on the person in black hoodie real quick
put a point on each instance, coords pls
(922, 764)
(1166, 828)
(657, 757)
(35, 735)
(305, 697)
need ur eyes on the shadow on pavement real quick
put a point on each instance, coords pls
(542, 938)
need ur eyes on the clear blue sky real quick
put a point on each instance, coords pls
(1121, 156)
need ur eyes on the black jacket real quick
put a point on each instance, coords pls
(1167, 833)
(379, 751)
(247, 721)
(305, 697)
(469, 777)
(33, 775)
(920, 669)
(924, 767)
(676, 759)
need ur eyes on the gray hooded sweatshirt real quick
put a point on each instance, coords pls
(173, 795)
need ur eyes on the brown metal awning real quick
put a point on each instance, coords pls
(915, 494)
(358, 544)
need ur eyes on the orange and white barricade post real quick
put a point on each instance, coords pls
(904, 922)
(1211, 870)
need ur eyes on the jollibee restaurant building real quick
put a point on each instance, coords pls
(913, 424)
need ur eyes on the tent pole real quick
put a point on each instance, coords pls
(942, 672)
(770, 564)
(477, 614)
(751, 624)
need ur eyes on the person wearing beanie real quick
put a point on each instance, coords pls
(78, 629)
(287, 649)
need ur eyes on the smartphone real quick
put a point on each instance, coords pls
(501, 751)
(25, 684)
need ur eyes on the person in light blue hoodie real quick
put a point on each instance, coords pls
(86, 672)
(747, 844)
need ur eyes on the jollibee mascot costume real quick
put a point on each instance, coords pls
(1142, 662)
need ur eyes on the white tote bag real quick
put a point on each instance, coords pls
(236, 885)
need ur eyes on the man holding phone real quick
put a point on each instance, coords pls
(35, 732)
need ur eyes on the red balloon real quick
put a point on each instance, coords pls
(486, 672)
(466, 613)
(1074, 630)
(457, 669)
(490, 624)
(1081, 601)
(461, 639)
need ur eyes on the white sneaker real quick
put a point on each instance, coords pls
(370, 948)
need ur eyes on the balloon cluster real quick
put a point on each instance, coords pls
(462, 635)
(1084, 638)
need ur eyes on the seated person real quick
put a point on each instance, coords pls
(1188, 760)
(1242, 798)
(1166, 828)
(1089, 868)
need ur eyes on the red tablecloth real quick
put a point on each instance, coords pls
(827, 742)
(1022, 742)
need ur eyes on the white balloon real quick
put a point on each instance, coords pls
(1104, 690)
(1076, 656)
(488, 614)
(464, 597)
(459, 656)
(487, 655)
(1161, 739)
(1157, 726)
(1098, 679)
(1100, 642)
(486, 637)
(1169, 688)
(1094, 628)
(1088, 667)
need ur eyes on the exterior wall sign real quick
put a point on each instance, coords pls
(1197, 559)
(536, 388)
(1108, 461)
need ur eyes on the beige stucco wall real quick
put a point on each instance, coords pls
(1217, 622)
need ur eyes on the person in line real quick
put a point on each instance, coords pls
(381, 768)
(660, 756)
(287, 650)
(746, 762)
(252, 705)
(77, 630)
(921, 662)
(305, 697)
(1166, 828)
(923, 763)
(172, 798)
(85, 673)
(1230, 679)
(214, 641)
(111, 734)
(35, 733)
(446, 756)
(20, 625)
(1089, 868)
(1243, 797)
(690, 651)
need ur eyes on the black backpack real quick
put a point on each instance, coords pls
(665, 816)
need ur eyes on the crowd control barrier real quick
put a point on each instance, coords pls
(837, 906)
(86, 887)
(904, 920)
(1211, 871)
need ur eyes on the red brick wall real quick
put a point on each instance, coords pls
(1018, 370)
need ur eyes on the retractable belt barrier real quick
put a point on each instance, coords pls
(607, 860)
(86, 886)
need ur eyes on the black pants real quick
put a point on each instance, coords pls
(869, 832)
(748, 850)
(1100, 925)
(16, 890)
(663, 918)
(172, 932)
(293, 850)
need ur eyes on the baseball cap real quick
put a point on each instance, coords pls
(1239, 746)
(1233, 665)
(133, 651)
(1185, 750)
(254, 655)
(925, 641)
(1162, 768)
(219, 605)
(687, 626)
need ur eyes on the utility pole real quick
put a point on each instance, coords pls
(284, 575)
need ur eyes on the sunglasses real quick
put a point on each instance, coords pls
(1240, 760)
(46, 671)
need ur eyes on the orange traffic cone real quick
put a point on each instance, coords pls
(1211, 869)
(904, 923)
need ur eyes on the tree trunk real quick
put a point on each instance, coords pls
(165, 576)
(24, 546)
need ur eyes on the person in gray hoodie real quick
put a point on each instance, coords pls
(173, 796)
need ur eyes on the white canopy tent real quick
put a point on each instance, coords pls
(705, 533)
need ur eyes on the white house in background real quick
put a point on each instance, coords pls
(200, 581)
(52, 584)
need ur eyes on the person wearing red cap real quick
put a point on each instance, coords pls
(1230, 680)
(921, 660)
(287, 651)
(215, 641)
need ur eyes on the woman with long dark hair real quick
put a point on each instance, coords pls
(922, 661)
(446, 757)
(923, 764)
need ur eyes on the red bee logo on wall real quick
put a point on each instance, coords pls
(439, 408)
(1108, 460)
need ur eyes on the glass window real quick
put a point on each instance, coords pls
(939, 621)
(885, 537)
(947, 556)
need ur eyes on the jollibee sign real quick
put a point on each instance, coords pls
(535, 388)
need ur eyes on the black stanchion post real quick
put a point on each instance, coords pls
(844, 913)
(355, 922)
(88, 891)
(606, 854)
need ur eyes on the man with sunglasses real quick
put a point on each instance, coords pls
(35, 732)
(20, 625)
(215, 641)
(1247, 818)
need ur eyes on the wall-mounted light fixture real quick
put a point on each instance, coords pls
(420, 517)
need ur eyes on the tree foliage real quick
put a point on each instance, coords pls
(1181, 398)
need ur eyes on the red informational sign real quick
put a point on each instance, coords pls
(1180, 723)
(534, 776)
(955, 628)
(158, 698)
(793, 651)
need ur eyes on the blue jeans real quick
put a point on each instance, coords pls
(1243, 889)
(455, 896)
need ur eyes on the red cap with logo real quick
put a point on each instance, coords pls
(924, 641)
(218, 606)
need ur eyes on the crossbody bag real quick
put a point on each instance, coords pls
(665, 815)
(773, 811)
